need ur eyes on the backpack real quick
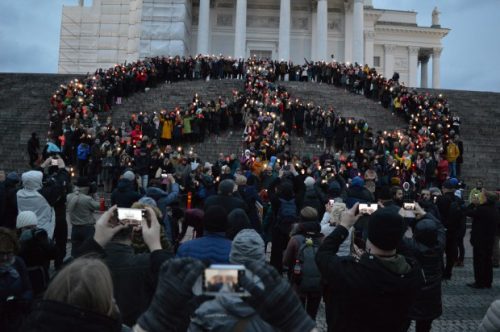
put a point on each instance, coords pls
(306, 274)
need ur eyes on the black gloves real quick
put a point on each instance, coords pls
(277, 304)
(170, 302)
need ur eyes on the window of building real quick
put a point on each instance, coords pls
(376, 61)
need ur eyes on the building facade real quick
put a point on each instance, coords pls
(113, 31)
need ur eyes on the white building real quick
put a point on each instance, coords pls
(113, 31)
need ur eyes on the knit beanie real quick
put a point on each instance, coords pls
(25, 219)
(309, 214)
(148, 201)
(129, 175)
(309, 181)
(215, 219)
(226, 187)
(385, 228)
(247, 247)
(236, 221)
(358, 182)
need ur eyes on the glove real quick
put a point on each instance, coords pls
(170, 302)
(277, 304)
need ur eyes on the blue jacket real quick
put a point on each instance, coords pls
(213, 248)
(163, 198)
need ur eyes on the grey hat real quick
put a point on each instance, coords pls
(148, 201)
(129, 175)
(226, 187)
(247, 246)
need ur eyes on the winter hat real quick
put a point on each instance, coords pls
(385, 228)
(272, 161)
(236, 221)
(247, 247)
(241, 180)
(129, 175)
(358, 182)
(435, 191)
(425, 232)
(334, 188)
(82, 181)
(13, 176)
(226, 187)
(32, 180)
(449, 184)
(25, 219)
(309, 214)
(309, 181)
(148, 201)
(215, 219)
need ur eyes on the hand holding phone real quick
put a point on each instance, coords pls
(223, 279)
(367, 209)
(107, 226)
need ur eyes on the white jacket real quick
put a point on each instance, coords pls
(327, 228)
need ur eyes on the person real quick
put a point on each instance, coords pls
(452, 154)
(484, 227)
(427, 247)
(312, 196)
(79, 298)
(302, 269)
(476, 193)
(112, 241)
(39, 199)
(427, 203)
(331, 220)
(229, 310)
(35, 249)
(33, 149)
(15, 288)
(80, 210)
(396, 197)
(358, 193)
(125, 194)
(8, 219)
(225, 197)
(451, 211)
(375, 291)
(213, 247)
(272, 298)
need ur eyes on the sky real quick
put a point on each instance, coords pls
(29, 38)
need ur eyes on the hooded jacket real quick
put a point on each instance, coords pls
(369, 294)
(29, 199)
(124, 195)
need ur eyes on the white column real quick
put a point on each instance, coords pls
(389, 60)
(284, 35)
(240, 35)
(412, 65)
(436, 67)
(203, 27)
(348, 32)
(369, 38)
(314, 35)
(424, 69)
(357, 32)
(322, 30)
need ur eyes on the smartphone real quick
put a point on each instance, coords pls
(130, 216)
(219, 278)
(331, 201)
(367, 209)
(54, 162)
(409, 206)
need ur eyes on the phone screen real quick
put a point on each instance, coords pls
(223, 279)
(367, 209)
(132, 216)
(54, 162)
(331, 202)
(409, 206)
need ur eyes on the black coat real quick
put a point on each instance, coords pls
(124, 195)
(227, 202)
(51, 316)
(486, 218)
(366, 295)
(427, 247)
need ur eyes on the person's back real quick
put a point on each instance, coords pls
(225, 199)
(374, 292)
(213, 247)
(124, 195)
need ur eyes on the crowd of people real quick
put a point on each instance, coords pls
(338, 222)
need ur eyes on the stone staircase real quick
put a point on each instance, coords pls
(24, 104)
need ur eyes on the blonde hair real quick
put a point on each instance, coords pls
(85, 283)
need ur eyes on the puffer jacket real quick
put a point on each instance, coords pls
(427, 247)
(491, 321)
(223, 313)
